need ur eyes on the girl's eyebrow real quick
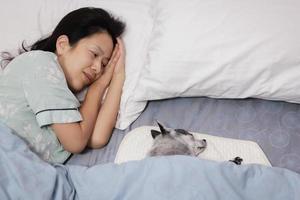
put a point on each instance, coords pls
(99, 49)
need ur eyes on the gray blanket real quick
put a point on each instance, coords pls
(24, 176)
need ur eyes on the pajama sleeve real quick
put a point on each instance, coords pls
(48, 95)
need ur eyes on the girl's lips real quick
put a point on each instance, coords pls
(89, 76)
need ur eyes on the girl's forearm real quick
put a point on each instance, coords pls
(90, 108)
(108, 113)
(75, 136)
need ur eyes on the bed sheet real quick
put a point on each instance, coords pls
(274, 125)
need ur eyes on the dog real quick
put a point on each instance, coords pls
(169, 141)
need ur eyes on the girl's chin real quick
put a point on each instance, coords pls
(76, 88)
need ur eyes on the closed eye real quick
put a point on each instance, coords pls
(182, 131)
(93, 54)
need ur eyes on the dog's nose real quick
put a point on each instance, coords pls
(204, 140)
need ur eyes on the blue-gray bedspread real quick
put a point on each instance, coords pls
(24, 176)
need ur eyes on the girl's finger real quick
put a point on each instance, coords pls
(116, 49)
(121, 44)
(113, 61)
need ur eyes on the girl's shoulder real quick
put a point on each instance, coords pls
(34, 64)
(35, 59)
(31, 60)
(37, 56)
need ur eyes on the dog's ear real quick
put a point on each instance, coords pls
(162, 129)
(155, 133)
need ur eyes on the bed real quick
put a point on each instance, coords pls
(223, 68)
(249, 119)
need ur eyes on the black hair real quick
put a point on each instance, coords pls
(78, 24)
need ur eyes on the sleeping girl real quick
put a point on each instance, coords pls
(38, 87)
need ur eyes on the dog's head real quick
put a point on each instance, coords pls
(178, 138)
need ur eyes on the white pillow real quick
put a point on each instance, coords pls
(38, 18)
(19, 22)
(223, 49)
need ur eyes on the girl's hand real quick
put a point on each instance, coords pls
(119, 70)
(107, 75)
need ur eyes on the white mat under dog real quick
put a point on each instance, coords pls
(137, 142)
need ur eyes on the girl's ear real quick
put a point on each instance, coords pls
(62, 44)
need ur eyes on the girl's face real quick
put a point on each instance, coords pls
(85, 61)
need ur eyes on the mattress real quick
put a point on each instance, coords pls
(273, 125)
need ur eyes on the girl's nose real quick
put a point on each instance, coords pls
(97, 67)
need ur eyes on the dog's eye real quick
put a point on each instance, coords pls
(182, 131)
